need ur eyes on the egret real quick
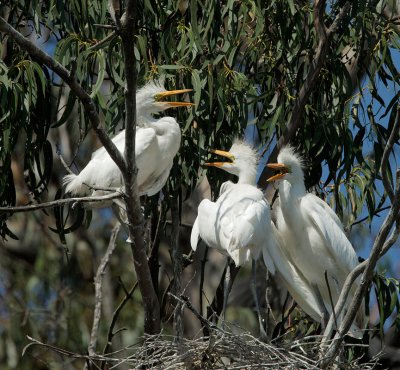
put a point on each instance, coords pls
(157, 142)
(313, 237)
(237, 223)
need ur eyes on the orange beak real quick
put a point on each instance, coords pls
(283, 170)
(223, 154)
(173, 104)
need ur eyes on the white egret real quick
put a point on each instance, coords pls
(237, 223)
(313, 238)
(157, 142)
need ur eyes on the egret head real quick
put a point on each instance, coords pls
(150, 98)
(242, 161)
(289, 166)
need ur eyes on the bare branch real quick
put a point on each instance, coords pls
(381, 245)
(351, 278)
(152, 323)
(98, 289)
(76, 88)
(60, 202)
(110, 335)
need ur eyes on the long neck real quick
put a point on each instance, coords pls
(290, 194)
(165, 126)
(247, 176)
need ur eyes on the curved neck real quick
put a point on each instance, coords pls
(247, 177)
(289, 192)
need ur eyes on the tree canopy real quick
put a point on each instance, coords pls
(322, 76)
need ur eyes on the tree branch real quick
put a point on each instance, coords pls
(75, 87)
(60, 202)
(296, 118)
(98, 289)
(381, 245)
(385, 158)
(152, 323)
(110, 334)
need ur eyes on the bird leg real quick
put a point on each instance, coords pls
(230, 274)
(321, 306)
(263, 333)
(227, 289)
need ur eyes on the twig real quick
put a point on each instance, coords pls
(107, 39)
(98, 289)
(111, 333)
(62, 160)
(60, 202)
(176, 258)
(385, 157)
(351, 278)
(380, 243)
(204, 322)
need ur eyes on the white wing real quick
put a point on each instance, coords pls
(312, 198)
(333, 236)
(291, 277)
(195, 236)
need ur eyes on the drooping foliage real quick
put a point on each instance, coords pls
(246, 62)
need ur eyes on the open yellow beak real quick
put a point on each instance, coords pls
(283, 170)
(173, 104)
(221, 153)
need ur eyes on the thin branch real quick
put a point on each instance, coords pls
(60, 202)
(385, 158)
(98, 289)
(111, 333)
(376, 213)
(351, 278)
(296, 118)
(76, 88)
(380, 242)
(107, 39)
(176, 259)
(379, 248)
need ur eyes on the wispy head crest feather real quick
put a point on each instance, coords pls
(289, 154)
(244, 149)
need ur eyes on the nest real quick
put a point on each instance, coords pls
(226, 350)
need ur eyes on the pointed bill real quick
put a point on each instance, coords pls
(281, 168)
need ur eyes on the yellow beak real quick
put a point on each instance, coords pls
(221, 153)
(283, 170)
(171, 104)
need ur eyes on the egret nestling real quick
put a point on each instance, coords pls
(157, 142)
(238, 222)
(313, 236)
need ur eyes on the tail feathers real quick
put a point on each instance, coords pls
(74, 185)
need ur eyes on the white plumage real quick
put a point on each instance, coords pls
(237, 223)
(313, 239)
(157, 142)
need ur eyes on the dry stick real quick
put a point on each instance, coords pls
(325, 36)
(357, 271)
(176, 257)
(350, 279)
(115, 316)
(151, 304)
(60, 202)
(98, 289)
(377, 249)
